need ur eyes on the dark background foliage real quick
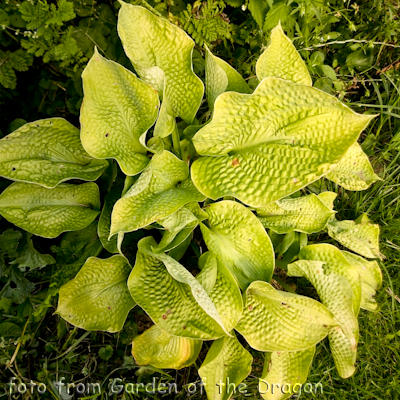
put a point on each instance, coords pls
(352, 51)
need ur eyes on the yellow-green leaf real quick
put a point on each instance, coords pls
(49, 212)
(284, 373)
(264, 146)
(235, 235)
(117, 109)
(162, 56)
(354, 171)
(306, 214)
(279, 321)
(172, 297)
(281, 59)
(226, 365)
(220, 78)
(163, 188)
(47, 152)
(97, 299)
(161, 350)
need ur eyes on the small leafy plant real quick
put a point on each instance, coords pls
(241, 177)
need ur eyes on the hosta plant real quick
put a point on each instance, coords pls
(239, 179)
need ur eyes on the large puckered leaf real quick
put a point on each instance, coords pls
(359, 236)
(235, 235)
(163, 188)
(98, 297)
(279, 321)
(47, 152)
(49, 212)
(306, 214)
(282, 60)
(222, 287)
(264, 146)
(172, 296)
(117, 109)
(226, 365)
(162, 56)
(284, 373)
(161, 350)
(354, 171)
(220, 78)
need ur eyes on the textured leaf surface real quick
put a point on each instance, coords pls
(332, 277)
(161, 350)
(362, 238)
(117, 109)
(371, 279)
(279, 321)
(98, 297)
(354, 171)
(284, 373)
(223, 289)
(220, 78)
(264, 146)
(162, 56)
(281, 60)
(227, 362)
(171, 296)
(47, 152)
(163, 188)
(306, 214)
(238, 238)
(49, 212)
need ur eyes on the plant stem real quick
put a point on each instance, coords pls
(176, 142)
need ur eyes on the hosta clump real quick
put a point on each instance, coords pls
(238, 178)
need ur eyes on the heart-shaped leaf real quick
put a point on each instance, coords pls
(284, 373)
(306, 214)
(281, 59)
(163, 188)
(47, 152)
(117, 109)
(264, 146)
(97, 299)
(220, 78)
(172, 296)
(235, 235)
(279, 321)
(161, 350)
(49, 212)
(162, 56)
(354, 171)
(226, 365)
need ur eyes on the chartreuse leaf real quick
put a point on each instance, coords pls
(222, 287)
(117, 109)
(179, 226)
(162, 56)
(220, 78)
(226, 365)
(335, 281)
(371, 279)
(103, 228)
(172, 296)
(237, 237)
(328, 198)
(281, 60)
(49, 212)
(161, 350)
(354, 171)
(264, 146)
(98, 297)
(306, 214)
(163, 188)
(279, 321)
(47, 152)
(360, 237)
(284, 373)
